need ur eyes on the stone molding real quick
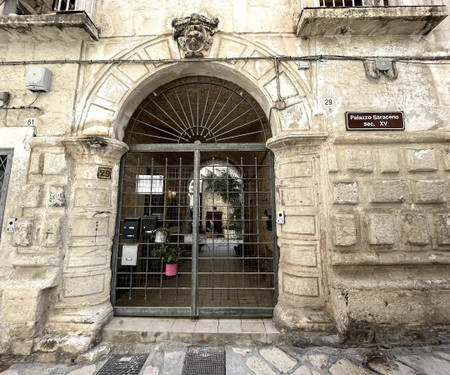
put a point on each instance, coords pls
(392, 138)
(287, 140)
(115, 90)
(87, 148)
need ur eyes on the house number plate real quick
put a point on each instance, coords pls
(104, 173)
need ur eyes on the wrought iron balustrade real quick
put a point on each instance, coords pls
(366, 3)
(87, 6)
(27, 7)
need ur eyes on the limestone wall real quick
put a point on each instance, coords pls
(366, 237)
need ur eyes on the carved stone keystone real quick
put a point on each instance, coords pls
(194, 33)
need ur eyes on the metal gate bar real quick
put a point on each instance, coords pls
(186, 178)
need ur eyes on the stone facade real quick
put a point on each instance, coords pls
(364, 249)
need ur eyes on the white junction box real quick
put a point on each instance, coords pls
(39, 79)
(129, 254)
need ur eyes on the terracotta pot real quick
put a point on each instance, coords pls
(171, 269)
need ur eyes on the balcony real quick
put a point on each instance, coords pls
(369, 17)
(48, 19)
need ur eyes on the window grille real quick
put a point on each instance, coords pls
(5, 170)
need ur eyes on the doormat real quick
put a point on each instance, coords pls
(123, 365)
(204, 361)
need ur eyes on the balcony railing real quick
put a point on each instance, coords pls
(27, 7)
(76, 5)
(369, 17)
(69, 18)
(366, 3)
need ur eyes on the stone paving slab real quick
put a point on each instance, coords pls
(167, 359)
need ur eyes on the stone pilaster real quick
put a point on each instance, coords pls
(83, 305)
(301, 301)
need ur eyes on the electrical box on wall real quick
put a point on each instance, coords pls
(131, 226)
(39, 79)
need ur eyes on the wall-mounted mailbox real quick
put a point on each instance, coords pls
(129, 254)
(148, 225)
(131, 228)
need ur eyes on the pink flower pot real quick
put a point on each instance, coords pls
(171, 269)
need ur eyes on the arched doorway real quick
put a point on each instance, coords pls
(199, 168)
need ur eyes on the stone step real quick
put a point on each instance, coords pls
(128, 331)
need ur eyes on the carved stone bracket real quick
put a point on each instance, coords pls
(95, 149)
(298, 138)
(194, 34)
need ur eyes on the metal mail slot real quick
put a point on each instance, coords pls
(131, 228)
(148, 225)
(129, 254)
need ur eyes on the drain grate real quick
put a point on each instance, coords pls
(123, 365)
(204, 361)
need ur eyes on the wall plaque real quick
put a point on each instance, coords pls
(374, 120)
(104, 173)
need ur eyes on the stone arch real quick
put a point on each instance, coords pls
(117, 89)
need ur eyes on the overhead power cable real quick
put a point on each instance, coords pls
(439, 59)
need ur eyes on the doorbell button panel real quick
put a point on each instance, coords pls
(10, 224)
(280, 217)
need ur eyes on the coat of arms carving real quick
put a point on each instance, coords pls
(194, 34)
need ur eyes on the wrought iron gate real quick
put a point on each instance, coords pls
(217, 202)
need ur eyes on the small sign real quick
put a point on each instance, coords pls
(104, 173)
(328, 102)
(374, 121)
(30, 121)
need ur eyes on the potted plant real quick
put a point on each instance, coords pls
(170, 255)
(162, 235)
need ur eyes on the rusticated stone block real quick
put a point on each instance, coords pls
(346, 193)
(54, 163)
(422, 160)
(388, 191)
(344, 227)
(36, 163)
(83, 227)
(381, 229)
(299, 255)
(23, 232)
(19, 305)
(416, 229)
(32, 196)
(389, 161)
(300, 224)
(428, 191)
(57, 196)
(442, 223)
(297, 169)
(84, 286)
(92, 197)
(301, 286)
(447, 159)
(51, 234)
(333, 166)
(359, 160)
(298, 196)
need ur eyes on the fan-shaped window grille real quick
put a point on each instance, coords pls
(207, 109)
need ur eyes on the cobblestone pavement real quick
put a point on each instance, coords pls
(167, 358)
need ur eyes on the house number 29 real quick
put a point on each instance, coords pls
(328, 102)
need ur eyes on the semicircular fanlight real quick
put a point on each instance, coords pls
(207, 109)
